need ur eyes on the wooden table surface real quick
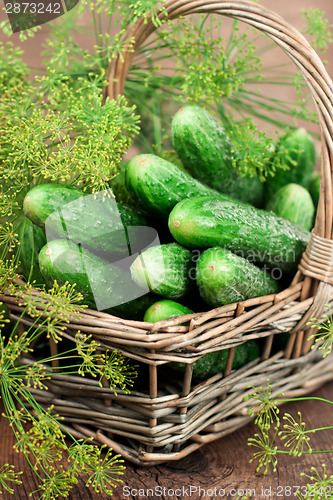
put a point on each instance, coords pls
(217, 470)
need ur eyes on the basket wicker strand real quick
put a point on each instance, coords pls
(172, 418)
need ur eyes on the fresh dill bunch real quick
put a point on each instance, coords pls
(294, 437)
(70, 137)
(40, 434)
(208, 68)
(190, 60)
(59, 130)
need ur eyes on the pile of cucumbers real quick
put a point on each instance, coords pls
(200, 236)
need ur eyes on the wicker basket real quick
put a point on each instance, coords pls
(165, 418)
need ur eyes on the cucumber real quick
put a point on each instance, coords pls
(295, 152)
(104, 286)
(215, 362)
(97, 222)
(294, 203)
(44, 199)
(158, 185)
(207, 154)
(164, 309)
(252, 233)
(314, 188)
(225, 278)
(32, 239)
(165, 269)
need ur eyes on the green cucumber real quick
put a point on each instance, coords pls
(104, 286)
(44, 199)
(32, 239)
(158, 185)
(97, 222)
(294, 161)
(207, 154)
(215, 362)
(225, 278)
(294, 203)
(164, 309)
(165, 269)
(252, 233)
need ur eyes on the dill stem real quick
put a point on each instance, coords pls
(306, 398)
(95, 25)
(318, 429)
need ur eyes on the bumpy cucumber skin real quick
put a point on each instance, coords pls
(296, 151)
(253, 233)
(44, 199)
(224, 278)
(165, 269)
(294, 203)
(64, 261)
(206, 152)
(97, 223)
(158, 185)
(164, 309)
(215, 362)
(32, 239)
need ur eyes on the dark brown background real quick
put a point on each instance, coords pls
(224, 464)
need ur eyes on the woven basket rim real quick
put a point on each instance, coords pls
(320, 86)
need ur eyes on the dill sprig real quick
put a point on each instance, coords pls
(293, 438)
(208, 68)
(323, 336)
(295, 435)
(8, 477)
(317, 27)
(265, 406)
(267, 450)
(320, 486)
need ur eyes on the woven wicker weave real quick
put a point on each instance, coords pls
(167, 418)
